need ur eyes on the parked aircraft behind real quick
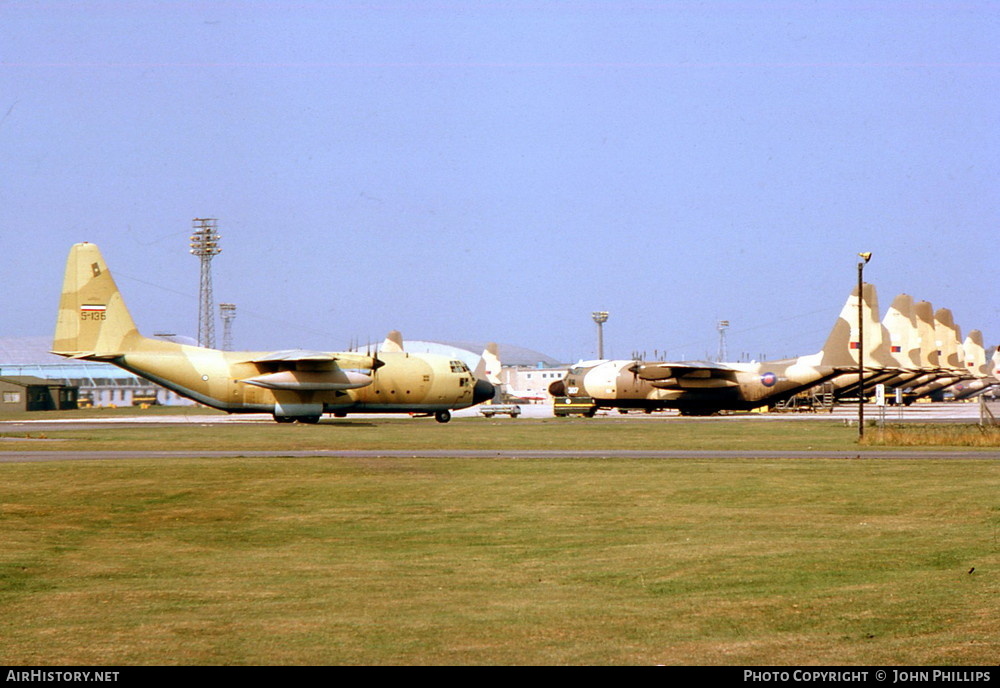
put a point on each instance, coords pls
(489, 369)
(879, 363)
(95, 325)
(704, 387)
(948, 345)
(976, 365)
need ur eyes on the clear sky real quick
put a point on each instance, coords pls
(498, 170)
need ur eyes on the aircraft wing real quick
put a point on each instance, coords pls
(685, 373)
(301, 359)
(660, 370)
(295, 355)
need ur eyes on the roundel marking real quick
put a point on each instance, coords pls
(768, 379)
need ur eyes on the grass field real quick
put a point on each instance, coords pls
(480, 433)
(476, 561)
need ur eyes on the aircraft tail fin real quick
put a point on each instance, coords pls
(93, 321)
(948, 339)
(975, 354)
(393, 342)
(901, 324)
(489, 365)
(842, 346)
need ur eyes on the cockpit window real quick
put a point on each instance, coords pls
(575, 371)
(459, 367)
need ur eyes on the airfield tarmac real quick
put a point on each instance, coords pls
(923, 413)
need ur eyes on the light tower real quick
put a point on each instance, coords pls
(600, 317)
(205, 245)
(865, 257)
(722, 326)
(227, 311)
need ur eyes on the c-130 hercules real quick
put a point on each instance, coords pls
(293, 385)
(705, 387)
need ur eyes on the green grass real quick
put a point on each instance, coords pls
(462, 433)
(472, 561)
(611, 433)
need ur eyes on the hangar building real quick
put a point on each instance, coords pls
(99, 384)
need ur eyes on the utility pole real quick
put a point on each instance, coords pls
(205, 245)
(865, 257)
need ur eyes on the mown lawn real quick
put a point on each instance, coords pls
(485, 561)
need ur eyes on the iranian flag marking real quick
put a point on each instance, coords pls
(92, 308)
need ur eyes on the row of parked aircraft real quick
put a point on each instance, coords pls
(911, 348)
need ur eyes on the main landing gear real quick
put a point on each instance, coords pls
(301, 419)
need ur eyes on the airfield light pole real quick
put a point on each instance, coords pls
(227, 311)
(865, 257)
(205, 245)
(723, 353)
(600, 317)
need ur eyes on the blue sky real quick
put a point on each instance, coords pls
(498, 170)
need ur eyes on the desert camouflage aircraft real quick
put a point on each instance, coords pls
(903, 331)
(879, 363)
(948, 347)
(293, 385)
(930, 360)
(705, 387)
(976, 365)
(489, 369)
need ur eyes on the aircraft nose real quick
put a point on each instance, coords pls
(483, 391)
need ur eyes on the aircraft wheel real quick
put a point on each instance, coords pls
(308, 419)
(284, 419)
(442, 416)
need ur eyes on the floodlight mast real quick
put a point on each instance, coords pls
(227, 311)
(600, 317)
(205, 245)
(722, 326)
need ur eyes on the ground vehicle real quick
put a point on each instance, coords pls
(490, 410)
(574, 406)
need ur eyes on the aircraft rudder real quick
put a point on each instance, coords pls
(840, 346)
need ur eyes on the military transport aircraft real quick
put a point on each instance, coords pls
(977, 365)
(489, 369)
(705, 387)
(293, 385)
